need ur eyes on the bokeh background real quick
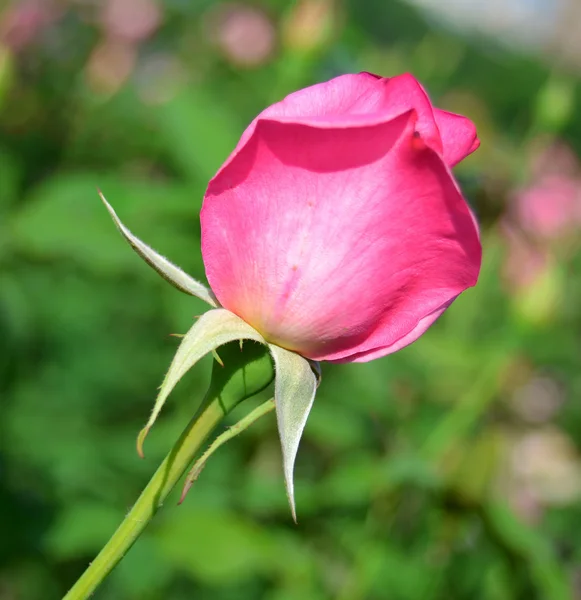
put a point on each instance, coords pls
(450, 470)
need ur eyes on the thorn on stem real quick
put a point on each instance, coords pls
(217, 357)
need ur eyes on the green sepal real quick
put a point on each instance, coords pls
(213, 329)
(170, 272)
(294, 392)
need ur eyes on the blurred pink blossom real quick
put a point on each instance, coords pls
(547, 462)
(538, 400)
(23, 21)
(542, 468)
(131, 20)
(109, 66)
(549, 208)
(158, 77)
(552, 157)
(524, 263)
(244, 34)
(532, 276)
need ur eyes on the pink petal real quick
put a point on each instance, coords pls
(338, 238)
(423, 325)
(364, 98)
(458, 134)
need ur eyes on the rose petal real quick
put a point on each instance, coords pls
(363, 98)
(334, 242)
(377, 352)
(458, 134)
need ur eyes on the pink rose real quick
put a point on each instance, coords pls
(336, 228)
(335, 231)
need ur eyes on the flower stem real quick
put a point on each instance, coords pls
(231, 432)
(245, 372)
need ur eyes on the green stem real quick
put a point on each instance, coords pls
(246, 372)
(231, 432)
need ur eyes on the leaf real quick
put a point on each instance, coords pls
(294, 393)
(170, 272)
(519, 540)
(217, 546)
(198, 130)
(10, 178)
(62, 218)
(144, 572)
(337, 426)
(79, 529)
(213, 329)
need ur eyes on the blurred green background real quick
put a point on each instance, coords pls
(450, 470)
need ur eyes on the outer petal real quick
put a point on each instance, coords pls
(364, 98)
(377, 352)
(336, 243)
(458, 134)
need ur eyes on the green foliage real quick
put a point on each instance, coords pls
(410, 481)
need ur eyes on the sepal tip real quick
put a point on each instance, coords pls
(140, 440)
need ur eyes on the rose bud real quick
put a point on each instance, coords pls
(335, 231)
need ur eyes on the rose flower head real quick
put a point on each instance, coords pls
(335, 231)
